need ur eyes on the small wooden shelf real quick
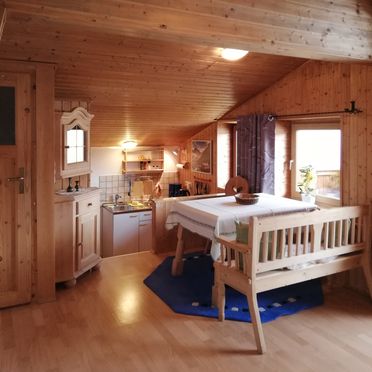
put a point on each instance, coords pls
(139, 158)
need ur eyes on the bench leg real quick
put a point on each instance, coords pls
(256, 320)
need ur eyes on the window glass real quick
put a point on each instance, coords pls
(75, 145)
(320, 149)
(7, 116)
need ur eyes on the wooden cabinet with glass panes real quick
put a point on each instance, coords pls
(143, 160)
(73, 152)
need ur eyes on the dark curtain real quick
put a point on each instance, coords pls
(256, 151)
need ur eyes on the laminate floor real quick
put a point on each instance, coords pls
(110, 321)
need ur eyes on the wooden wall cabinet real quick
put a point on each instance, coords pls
(73, 143)
(77, 234)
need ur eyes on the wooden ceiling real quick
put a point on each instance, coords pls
(152, 70)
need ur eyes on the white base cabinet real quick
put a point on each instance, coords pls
(124, 233)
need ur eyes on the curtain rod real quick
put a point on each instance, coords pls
(351, 110)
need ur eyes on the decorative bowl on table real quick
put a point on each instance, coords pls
(246, 198)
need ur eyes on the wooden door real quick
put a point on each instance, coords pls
(15, 193)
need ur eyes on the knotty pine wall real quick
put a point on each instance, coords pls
(321, 87)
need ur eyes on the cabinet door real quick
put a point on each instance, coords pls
(125, 233)
(88, 239)
(145, 235)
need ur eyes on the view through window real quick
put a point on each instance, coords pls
(321, 149)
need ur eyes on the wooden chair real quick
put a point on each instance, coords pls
(292, 248)
(235, 185)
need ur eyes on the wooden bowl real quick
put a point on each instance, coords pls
(245, 198)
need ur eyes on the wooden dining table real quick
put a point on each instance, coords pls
(212, 217)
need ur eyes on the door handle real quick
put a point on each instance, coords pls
(20, 179)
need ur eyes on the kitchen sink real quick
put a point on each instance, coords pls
(127, 207)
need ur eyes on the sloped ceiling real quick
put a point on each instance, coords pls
(152, 70)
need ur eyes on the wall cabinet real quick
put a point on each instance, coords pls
(77, 234)
(124, 233)
(145, 160)
(73, 143)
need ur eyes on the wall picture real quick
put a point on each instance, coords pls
(201, 156)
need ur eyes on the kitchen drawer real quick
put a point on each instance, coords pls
(145, 216)
(86, 205)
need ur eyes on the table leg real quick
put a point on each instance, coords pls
(177, 264)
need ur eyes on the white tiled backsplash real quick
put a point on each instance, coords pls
(119, 184)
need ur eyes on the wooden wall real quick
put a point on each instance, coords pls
(322, 87)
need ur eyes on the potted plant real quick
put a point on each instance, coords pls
(307, 184)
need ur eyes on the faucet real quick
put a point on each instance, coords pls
(117, 197)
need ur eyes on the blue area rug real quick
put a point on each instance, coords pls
(191, 293)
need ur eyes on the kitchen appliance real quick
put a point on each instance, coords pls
(174, 189)
(183, 192)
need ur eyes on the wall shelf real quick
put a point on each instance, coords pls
(143, 161)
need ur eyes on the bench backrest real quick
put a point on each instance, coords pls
(297, 239)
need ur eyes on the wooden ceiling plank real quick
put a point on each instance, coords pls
(326, 39)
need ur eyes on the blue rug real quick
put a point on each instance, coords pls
(191, 293)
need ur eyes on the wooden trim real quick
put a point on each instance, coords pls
(45, 288)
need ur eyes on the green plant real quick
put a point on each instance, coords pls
(308, 180)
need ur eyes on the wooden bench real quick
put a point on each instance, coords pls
(292, 248)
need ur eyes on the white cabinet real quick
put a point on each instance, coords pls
(145, 231)
(124, 233)
(77, 234)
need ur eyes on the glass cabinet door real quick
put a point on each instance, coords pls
(75, 145)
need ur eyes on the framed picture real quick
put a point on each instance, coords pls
(201, 156)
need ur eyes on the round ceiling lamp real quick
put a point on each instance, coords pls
(129, 144)
(233, 54)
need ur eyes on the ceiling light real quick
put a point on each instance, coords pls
(129, 144)
(233, 54)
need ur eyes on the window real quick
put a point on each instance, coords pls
(319, 146)
(7, 116)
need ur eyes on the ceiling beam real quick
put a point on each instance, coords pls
(2, 19)
(326, 30)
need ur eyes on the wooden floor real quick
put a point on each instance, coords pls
(112, 322)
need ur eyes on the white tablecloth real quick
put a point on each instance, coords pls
(216, 216)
